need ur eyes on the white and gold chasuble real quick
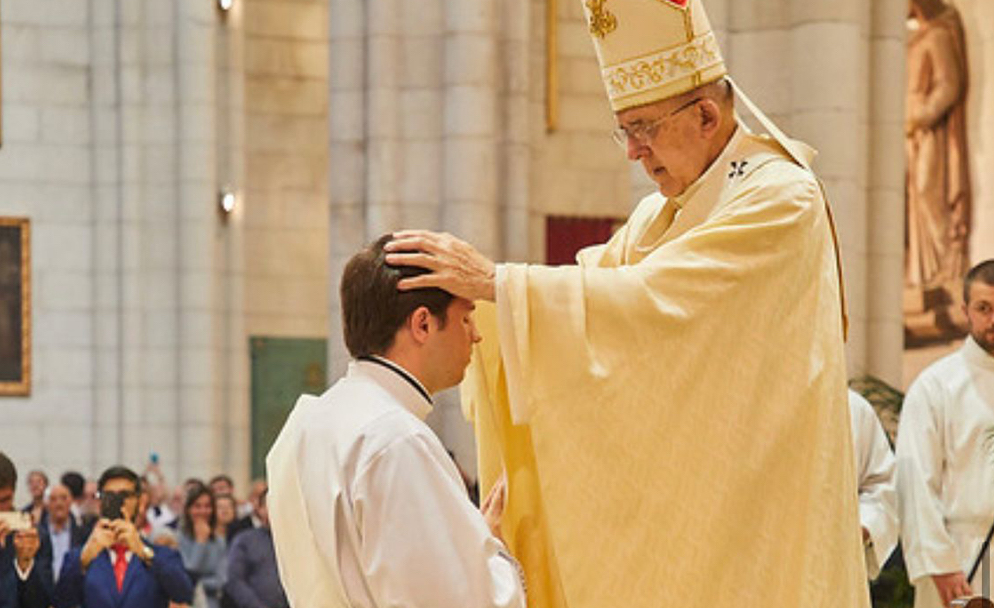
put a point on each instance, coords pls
(672, 412)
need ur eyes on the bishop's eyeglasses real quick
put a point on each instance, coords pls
(643, 133)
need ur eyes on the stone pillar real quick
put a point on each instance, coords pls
(885, 192)
(107, 228)
(470, 124)
(346, 155)
(383, 120)
(514, 27)
(830, 51)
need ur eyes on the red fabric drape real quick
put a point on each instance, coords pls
(565, 235)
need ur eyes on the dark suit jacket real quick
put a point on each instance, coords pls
(237, 527)
(144, 586)
(36, 591)
(77, 537)
(77, 534)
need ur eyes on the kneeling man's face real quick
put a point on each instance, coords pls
(453, 344)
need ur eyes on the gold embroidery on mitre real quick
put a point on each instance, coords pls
(602, 21)
(658, 69)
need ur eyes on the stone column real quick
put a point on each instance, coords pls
(347, 155)
(200, 438)
(830, 99)
(470, 124)
(514, 27)
(383, 119)
(885, 192)
(107, 152)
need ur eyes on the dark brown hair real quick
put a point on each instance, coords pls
(983, 272)
(373, 309)
(8, 474)
(196, 491)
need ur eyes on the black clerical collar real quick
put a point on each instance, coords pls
(400, 371)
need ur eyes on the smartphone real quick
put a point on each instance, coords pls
(110, 505)
(16, 521)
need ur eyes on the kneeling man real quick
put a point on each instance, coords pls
(366, 507)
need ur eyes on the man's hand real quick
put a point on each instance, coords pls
(951, 586)
(26, 543)
(125, 533)
(455, 265)
(101, 538)
(493, 506)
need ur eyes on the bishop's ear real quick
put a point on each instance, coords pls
(709, 115)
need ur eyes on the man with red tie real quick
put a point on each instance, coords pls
(117, 567)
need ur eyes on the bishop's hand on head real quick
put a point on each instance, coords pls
(454, 265)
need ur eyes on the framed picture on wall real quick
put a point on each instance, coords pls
(15, 306)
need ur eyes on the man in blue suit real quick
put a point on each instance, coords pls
(25, 559)
(116, 568)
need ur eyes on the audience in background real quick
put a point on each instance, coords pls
(60, 528)
(116, 567)
(256, 489)
(76, 484)
(190, 531)
(25, 568)
(226, 512)
(37, 484)
(222, 484)
(253, 578)
(252, 520)
(202, 549)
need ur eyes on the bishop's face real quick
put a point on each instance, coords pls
(980, 315)
(666, 137)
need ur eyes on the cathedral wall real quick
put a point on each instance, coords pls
(576, 169)
(286, 178)
(46, 162)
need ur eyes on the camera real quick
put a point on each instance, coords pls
(110, 505)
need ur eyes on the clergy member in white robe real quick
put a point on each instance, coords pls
(875, 477)
(367, 508)
(945, 457)
(671, 410)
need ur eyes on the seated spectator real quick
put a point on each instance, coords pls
(25, 559)
(226, 510)
(75, 482)
(37, 484)
(91, 502)
(253, 579)
(252, 520)
(116, 568)
(255, 490)
(222, 484)
(203, 551)
(60, 528)
(158, 514)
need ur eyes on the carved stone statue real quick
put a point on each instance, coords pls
(938, 182)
